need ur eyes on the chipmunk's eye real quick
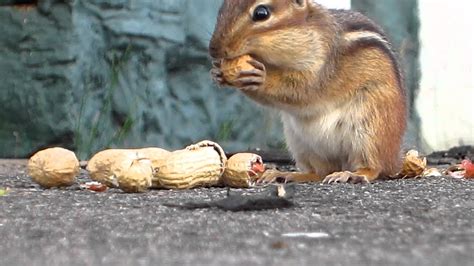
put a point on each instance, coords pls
(261, 13)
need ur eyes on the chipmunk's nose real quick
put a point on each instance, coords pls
(214, 51)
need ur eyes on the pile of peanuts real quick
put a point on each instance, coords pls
(136, 170)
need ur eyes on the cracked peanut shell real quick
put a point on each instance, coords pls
(413, 165)
(242, 170)
(198, 165)
(54, 167)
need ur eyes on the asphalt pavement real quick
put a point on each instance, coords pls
(393, 222)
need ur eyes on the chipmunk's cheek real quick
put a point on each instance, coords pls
(255, 47)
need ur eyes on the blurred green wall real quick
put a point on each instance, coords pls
(94, 74)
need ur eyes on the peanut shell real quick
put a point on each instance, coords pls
(133, 175)
(232, 67)
(242, 170)
(211, 144)
(100, 165)
(432, 172)
(199, 165)
(156, 155)
(54, 167)
(413, 165)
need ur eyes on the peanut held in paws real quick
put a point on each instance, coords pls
(54, 167)
(231, 68)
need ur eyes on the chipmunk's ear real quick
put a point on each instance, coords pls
(301, 3)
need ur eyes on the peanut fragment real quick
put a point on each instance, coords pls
(54, 167)
(413, 165)
(242, 170)
(232, 67)
(199, 165)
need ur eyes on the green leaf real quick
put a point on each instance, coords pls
(3, 192)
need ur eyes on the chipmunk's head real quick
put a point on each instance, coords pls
(289, 33)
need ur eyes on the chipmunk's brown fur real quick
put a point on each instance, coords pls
(332, 74)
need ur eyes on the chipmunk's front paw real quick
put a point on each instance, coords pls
(217, 75)
(251, 80)
(273, 176)
(345, 177)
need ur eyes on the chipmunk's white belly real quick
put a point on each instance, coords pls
(328, 137)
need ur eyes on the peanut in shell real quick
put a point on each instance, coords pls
(243, 170)
(133, 176)
(156, 155)
(199, 165)
(54, 167)
(232, 67)
(100, 165)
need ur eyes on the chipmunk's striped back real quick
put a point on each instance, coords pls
(359, 31)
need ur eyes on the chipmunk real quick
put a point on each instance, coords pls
(333, 76)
